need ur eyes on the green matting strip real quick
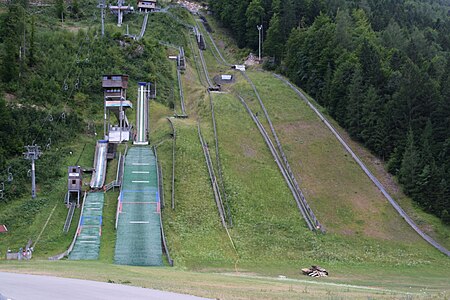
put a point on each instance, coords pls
(138, 240)
(87, 244)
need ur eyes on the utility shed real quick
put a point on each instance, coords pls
(115, 93)
(74, 184)
(146, 5)
(115, 86)
(226, 77)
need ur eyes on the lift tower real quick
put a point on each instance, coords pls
(33, 153)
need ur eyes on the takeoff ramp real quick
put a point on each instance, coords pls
(138, 240)
(87, 244)
(142, 114)
(99, 174)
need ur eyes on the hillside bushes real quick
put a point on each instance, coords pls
(58, 73)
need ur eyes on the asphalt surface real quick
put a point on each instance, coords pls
(23, 286)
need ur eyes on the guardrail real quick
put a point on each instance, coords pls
(315, 223)
(161, 195)
(222, 60)
(218, 162)
(67, 252)
(144, 27)
(277, 159)
(180, 86)
(174, 145)
(69, 217)
(212, 176)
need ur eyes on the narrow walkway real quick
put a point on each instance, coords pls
(138, 240)
(87, 245)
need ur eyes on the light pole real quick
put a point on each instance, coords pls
(259, 27)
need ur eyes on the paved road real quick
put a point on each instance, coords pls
(22, 286)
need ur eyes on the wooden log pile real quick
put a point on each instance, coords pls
(315, 271)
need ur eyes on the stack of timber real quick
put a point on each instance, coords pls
(315, 271)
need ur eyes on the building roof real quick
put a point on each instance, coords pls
(3, 228)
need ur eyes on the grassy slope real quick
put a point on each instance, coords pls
(345, 199)
(193, 228)
(430, 224)
(368, 238)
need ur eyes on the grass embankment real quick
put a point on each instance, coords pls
(321, 154)
(429, 223)
(194, 233)
(344, 199)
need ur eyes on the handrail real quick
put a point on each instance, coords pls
(314, 222)
(121, 181)
(67, 252)
(109, 185)
(173, 160)
(278, 162)
(218, 162)
(78, 227)
(69, 217)
(180, 87)
(144, 27)
(160, 177)
(161, 196)
(212, 176)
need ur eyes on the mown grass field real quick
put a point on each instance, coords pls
(369, 282)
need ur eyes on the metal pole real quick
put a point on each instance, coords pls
(101, 5)
(104, 121)
(259, 27)
(33, 179)
(103, 22)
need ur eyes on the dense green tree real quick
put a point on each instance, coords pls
(60, 9)
(410, 167)
(393, 36)
(254, 16)
(344, 27)
(75, 9)
(273, 45)
(32, 46)
(356, 92)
